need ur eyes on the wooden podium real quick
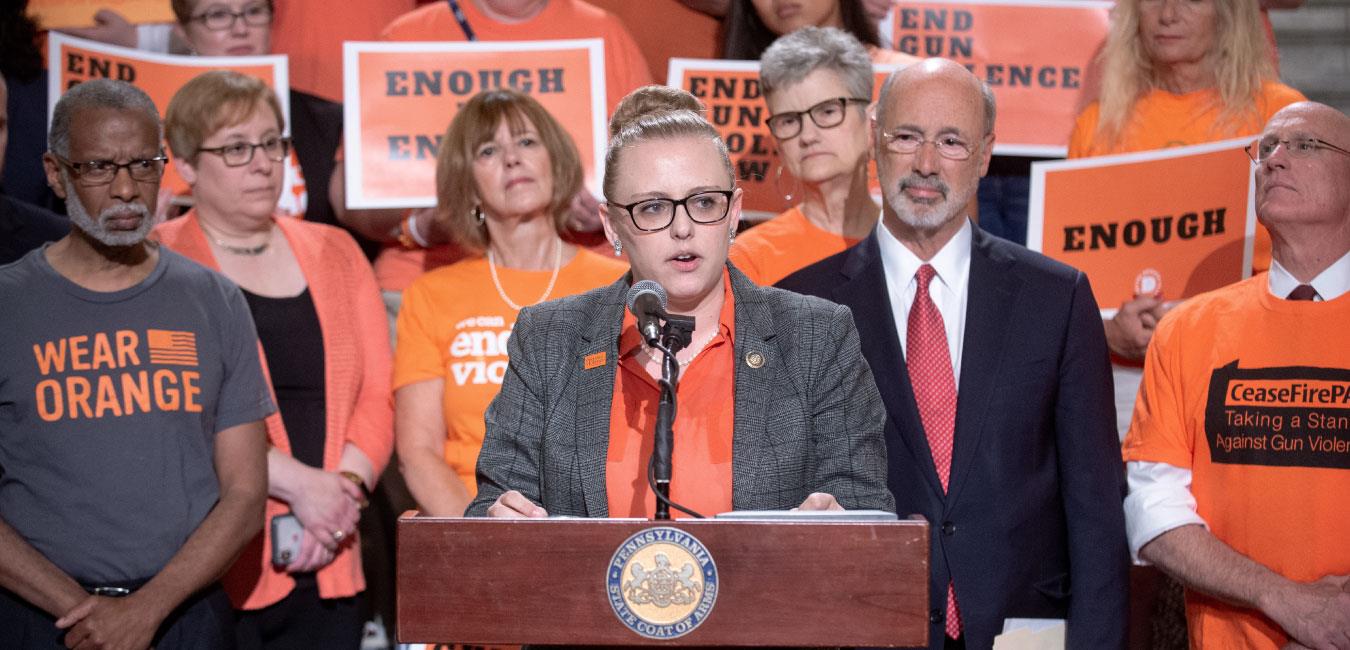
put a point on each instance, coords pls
(772, 583)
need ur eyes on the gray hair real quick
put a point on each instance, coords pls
(794, 56)
(986, 94)
(92, 94)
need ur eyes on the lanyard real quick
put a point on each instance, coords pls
(463, 22)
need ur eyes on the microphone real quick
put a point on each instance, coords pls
(647, 300)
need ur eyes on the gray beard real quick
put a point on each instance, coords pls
(951, 208)
(96, 228)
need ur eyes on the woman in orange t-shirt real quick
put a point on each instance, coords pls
(1176, 74)
(505, 176)
(770, 379)
(817, 83)
(751, 26)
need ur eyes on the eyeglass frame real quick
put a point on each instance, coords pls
(236, 16)
(82, 174)
(675, 206)
(252, 151)
(810, 112)
(888, 138)
(1253, 150)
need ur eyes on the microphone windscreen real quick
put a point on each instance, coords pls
(642, 287)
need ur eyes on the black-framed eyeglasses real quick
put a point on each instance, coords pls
(238, 154)
(102, 172)
(906, 142)
(655, 215)
(1261, 150)
(826, 115)
(221, 18)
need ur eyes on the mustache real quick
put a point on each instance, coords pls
(127, 210)
(914, 180)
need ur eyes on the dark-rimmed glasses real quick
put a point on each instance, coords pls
(826, 115)
(102, 172)
(238, 154)
(655, 215)
(906, 142)
(1261, 150)
(221, 18)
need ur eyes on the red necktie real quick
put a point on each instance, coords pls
(1303, 292)
(930, 374)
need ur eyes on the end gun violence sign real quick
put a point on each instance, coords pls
(1173, 222)
(1034, 54)
(400, 97)
(731, 92)
(72, 60)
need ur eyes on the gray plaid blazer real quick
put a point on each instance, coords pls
(809, 419)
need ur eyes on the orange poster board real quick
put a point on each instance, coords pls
(400, 97)
(56, 14)
(735, 106)
(1175, 222)
(71, 60)
(1034, 54)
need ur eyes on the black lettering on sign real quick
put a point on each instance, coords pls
(1295, 416)
(1137, 232)
(414, 147)
(463, 83)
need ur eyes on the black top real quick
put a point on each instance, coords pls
(24, 227)
(291, 339)
(316, 132)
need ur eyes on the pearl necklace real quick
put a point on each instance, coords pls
(496, 282)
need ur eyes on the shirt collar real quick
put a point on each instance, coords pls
(1330, 284)
(952, 262)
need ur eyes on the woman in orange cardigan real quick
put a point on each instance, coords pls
(322, 328)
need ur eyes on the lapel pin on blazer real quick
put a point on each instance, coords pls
(754, 359)
(592, 361)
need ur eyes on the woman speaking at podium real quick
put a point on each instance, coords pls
(777, 408)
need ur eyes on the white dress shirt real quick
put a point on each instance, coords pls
(948, 288)
(1160, 496)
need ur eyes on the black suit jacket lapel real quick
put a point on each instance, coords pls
(990, 297)
(864, 291)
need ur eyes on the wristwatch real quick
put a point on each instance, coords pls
(356, 478)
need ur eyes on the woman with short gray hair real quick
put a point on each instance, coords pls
(817, 82)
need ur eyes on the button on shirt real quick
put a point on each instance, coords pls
(948, 290)
(1160, 496)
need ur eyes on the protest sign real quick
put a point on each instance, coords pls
(400, 97)
(1034, 54)
(1174, 222)
(72, 60)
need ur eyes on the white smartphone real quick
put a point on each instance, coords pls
(286, 535)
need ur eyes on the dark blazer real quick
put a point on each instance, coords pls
(1032, 525)
(809, 419)
(24, 227)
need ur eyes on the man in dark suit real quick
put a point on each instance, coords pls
(992, 364)
(23, 227)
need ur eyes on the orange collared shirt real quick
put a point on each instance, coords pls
(704, 419)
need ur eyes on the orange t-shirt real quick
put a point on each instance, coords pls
(454, 326)
(1240, 387)
(784, 245)
(625, 69)
(310, 33)
(704, 420)
(1162, 120)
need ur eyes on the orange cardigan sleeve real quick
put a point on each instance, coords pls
(371, 427)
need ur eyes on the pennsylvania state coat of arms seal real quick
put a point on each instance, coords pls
(662, 583)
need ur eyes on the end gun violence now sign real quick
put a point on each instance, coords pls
(1034, 54)
(72, 60)
(1173, 222)
(731, 92)
(400, 97)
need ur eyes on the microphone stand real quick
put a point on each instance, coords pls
(676, 334)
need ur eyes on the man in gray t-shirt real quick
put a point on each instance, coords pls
(132, 449)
